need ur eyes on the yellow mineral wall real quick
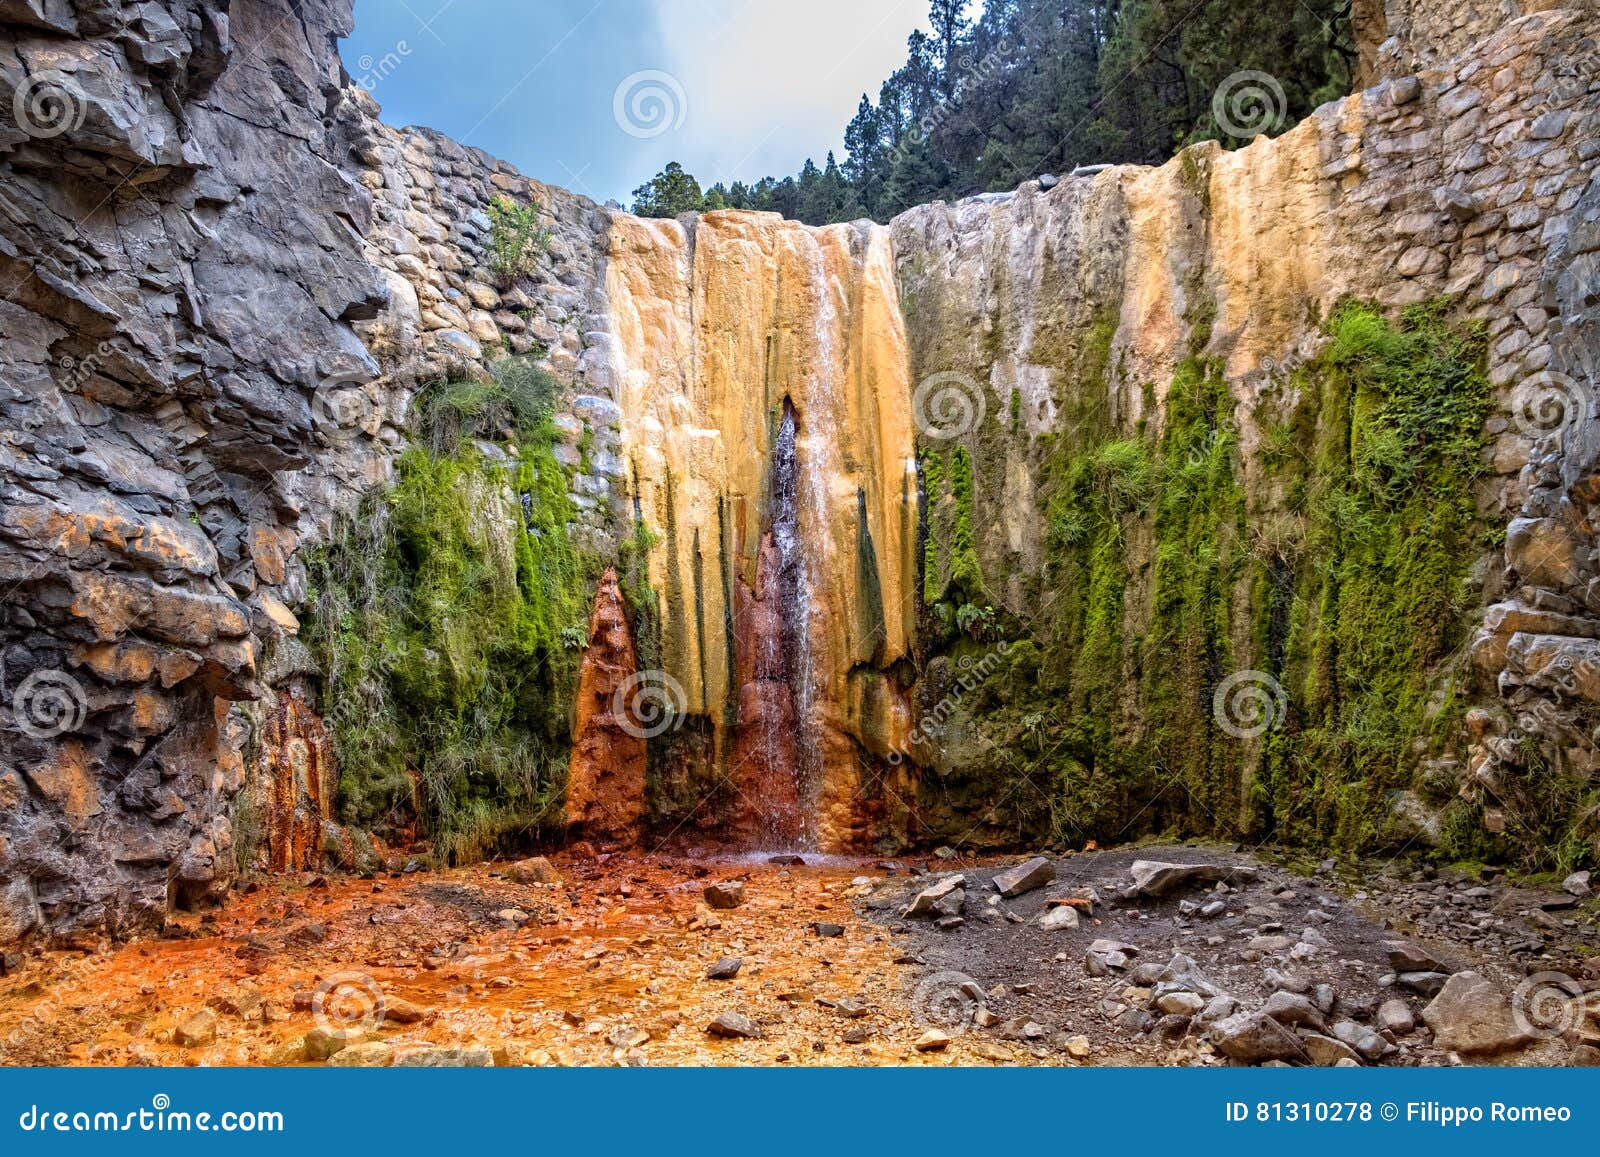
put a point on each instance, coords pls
(714, 325)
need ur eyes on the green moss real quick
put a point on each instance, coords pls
(1340, 578)
(448, 616)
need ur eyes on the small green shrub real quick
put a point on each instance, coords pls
(516, 239)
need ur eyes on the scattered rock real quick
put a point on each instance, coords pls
(787, 860)
(533, 870)
(727, 894)
(946, 898)
(1063, 917)
(828, 930)
(932, 1041)
(197, 1029)
(399, 1011)
(1155, 878)
(1472, 1015)
(734, 1025)
(1255, 1037)
(1407, 957)
(1025, 877)
(1577, 884)
(1395, 1016)
(1426, 983)
(626, 1036)
(725, 969)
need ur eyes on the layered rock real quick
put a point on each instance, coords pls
(715, 325)
(182, 266)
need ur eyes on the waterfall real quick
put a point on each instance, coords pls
(762, 375)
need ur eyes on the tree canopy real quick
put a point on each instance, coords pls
(1042, 86)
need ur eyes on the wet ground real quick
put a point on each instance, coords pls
(610, 966)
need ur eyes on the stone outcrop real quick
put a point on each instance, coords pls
(606, 779)
(181, 260)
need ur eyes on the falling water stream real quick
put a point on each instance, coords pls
(794, 602)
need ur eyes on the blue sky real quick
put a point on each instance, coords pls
(598, 95)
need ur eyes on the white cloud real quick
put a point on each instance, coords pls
(771, 83)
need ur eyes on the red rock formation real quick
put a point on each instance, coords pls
(766, 767)
(605, 781)
(302, 777)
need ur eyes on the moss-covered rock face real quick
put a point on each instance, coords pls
(449, 614)
(1270, 657)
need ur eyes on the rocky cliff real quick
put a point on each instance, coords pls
(962, 528)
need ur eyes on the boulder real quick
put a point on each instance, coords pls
(727, 894)
(1255, 1037)
(938, 899)
(1471, 1015)
(932, 1041)
(1405, 956)
(446, 1057)
(735, 1025)
(725, 969)
(1293, 1009)
(1395, 1016)
(1025, 877)
(533, 870)
(369, 1055)
(196, 1030)
(1327, 1051)
(1156, 878)
(1054, 918)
